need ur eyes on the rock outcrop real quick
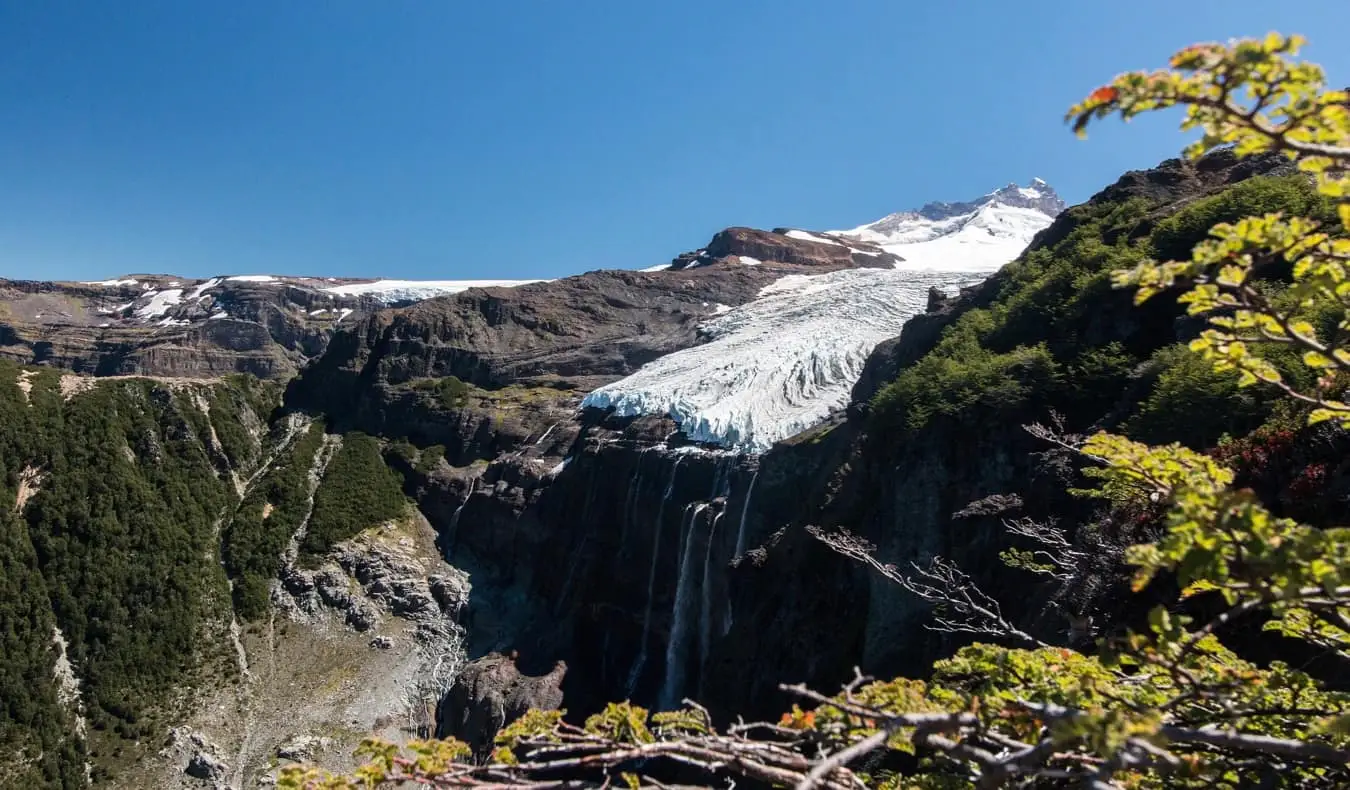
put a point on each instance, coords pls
(489, 694)
(164, 326)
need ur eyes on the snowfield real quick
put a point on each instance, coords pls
(784, 362)
(389, 291)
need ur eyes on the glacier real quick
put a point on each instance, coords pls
(390, 291)
(781, 363)
(788, 359)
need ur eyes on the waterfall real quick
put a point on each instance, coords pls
(675, 647)
(546, 433)
(745, 511)
(580, 551)
(705, 612)
(630, 502)
(452, 531)
(641, 661)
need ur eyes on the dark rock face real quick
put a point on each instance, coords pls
(489, 694)
(572, 335)
(658, 572)
(777, 246)
(162, 326)
(655, 570)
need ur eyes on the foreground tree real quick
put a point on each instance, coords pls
(1170, 705)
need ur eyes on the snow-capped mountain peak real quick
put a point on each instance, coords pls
(967, 235)
(784, 361)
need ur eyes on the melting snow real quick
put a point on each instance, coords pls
(415, 290)
(343, 313)
(659, 268)
(201, 289)
(252, 278)
(803, 235)
(110, 283)
(159, 303)
(748, 261)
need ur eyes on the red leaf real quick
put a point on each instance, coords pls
(1104, 95)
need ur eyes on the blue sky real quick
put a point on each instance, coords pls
(536, 138)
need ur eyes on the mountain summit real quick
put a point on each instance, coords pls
(784, 361)
(971, 235)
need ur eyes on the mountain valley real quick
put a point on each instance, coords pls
(258, 517)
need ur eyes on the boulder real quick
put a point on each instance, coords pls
(489, 694)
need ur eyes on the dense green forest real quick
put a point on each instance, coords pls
(129, 539)
(116, 545)
(1049, 339)
(262, 527)
(358, 491)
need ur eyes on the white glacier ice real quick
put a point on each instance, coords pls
(785, 361)
(781, 363)
(388, 291)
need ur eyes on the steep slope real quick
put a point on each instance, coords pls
(162, 325)
(656, 570)
(784, 361)
(615, 540)
(975, 235)
(779, 364)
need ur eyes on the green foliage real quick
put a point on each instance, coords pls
(239, 401)
(36, 730)
(358, 491)
(116, 549)
(535, 724)
(1192, 405)
(265, 521)
(1175, 236)
(621, 722)
(430, 458)
(449, 391)
(963, 375)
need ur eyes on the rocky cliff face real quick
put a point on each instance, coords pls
(658, 570)
(159, 325)
(653, 563)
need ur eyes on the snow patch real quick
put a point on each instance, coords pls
(748, 261)
(343, 313)
(204, 287)
(159, 304)
(388, 291)
(975, 236)
(110, 283)
(804, 236)
(252, 278)
(659, 268)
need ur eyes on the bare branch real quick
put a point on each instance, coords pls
(961, 606)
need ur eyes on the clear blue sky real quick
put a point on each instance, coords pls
(538, 138)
